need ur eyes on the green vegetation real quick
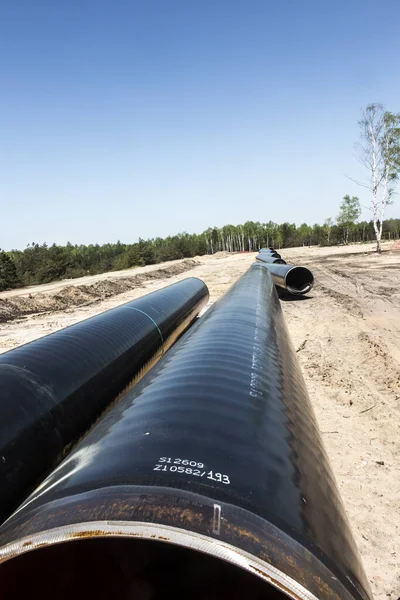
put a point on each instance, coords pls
(8, 271)
(350, 211)
(40, 263)
(378, 151)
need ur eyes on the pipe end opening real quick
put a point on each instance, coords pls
(128, 569)
(299, 280)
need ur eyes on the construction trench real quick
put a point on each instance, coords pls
(207, 479)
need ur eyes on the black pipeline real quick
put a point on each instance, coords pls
(269, 252)
(270, 258)
(295, 280)
(53, 389)
(215, 450)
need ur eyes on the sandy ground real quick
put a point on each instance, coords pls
(347, 337)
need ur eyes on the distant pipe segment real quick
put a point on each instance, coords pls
(294, 280)
(269, 258)
(271, 254)
(268, 251)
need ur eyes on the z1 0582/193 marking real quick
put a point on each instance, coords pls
(189, 467)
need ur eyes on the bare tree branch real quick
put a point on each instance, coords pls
(365, 185)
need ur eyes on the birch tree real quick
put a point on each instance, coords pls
(328, 224)
(305, 233)
(379, 152)
(350, 212)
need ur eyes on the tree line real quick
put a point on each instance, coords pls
(42, 263)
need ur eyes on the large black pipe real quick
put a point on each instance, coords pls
(217, 450)
(269, 252)
(294, 280)
(270, 258)
(53, 389)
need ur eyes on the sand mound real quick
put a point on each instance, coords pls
(79, 295)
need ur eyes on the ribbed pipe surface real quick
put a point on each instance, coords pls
(216, 449)
(268, 252)
(53, 389)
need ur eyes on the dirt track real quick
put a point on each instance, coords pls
(347, 337)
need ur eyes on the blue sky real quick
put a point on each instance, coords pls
(121, 119)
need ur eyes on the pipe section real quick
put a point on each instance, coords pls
(294, 280)
(53, 389)
(216, 450)
(270, 259)
(269, 252)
